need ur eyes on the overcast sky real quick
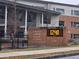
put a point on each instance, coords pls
(66, 1)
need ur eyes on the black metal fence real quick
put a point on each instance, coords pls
(14, 43)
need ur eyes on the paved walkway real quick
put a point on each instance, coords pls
(35, 52)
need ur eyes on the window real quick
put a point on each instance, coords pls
(31, 16)
(75, 36)
(20, 16)
(61, 23)
(19, 33)
(76, 12)
(71, 12)
(1, 31)
(31, 19)
(53, 9)
(47, 19)
(2, 12)
(75, 24)
(60, 10)
(72, 24)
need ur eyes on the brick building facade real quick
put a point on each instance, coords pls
(69, 20)
(33, 17)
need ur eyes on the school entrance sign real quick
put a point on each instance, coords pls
(55, 32)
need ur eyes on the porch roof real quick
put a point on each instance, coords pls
(5, 2)
(40, 9)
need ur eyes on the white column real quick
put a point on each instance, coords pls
(42, 19)
(26, 24)
(5, 29)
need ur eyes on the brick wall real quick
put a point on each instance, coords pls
(38, 37)
(67, 24)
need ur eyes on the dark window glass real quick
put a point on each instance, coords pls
(71, 35)
(71, 12)
(53, 9)
(20, 15)
(60, 10)
(2, 12)
(61, 23)
(72, 24)
(1, 31)
(76, 35)
(47, 19)
(31, 19)
(76, 12)
(31, 16)
(19, 34)
(2, 17)
(76, 24)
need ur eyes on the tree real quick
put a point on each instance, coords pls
(12, 22)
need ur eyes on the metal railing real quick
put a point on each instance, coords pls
(14, 43)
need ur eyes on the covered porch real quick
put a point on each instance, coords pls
(26, 17)
(20, 18)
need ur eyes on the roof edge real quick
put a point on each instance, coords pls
(47, 2)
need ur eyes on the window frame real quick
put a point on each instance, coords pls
(62, 24)
(46, 20)
(2, 12)
(73, 36)
(72, 12)
(59, 10)
(76, 24)
(76, 11)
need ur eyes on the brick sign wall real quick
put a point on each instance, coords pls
(39, 37)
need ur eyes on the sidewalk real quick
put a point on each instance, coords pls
(39, 52)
